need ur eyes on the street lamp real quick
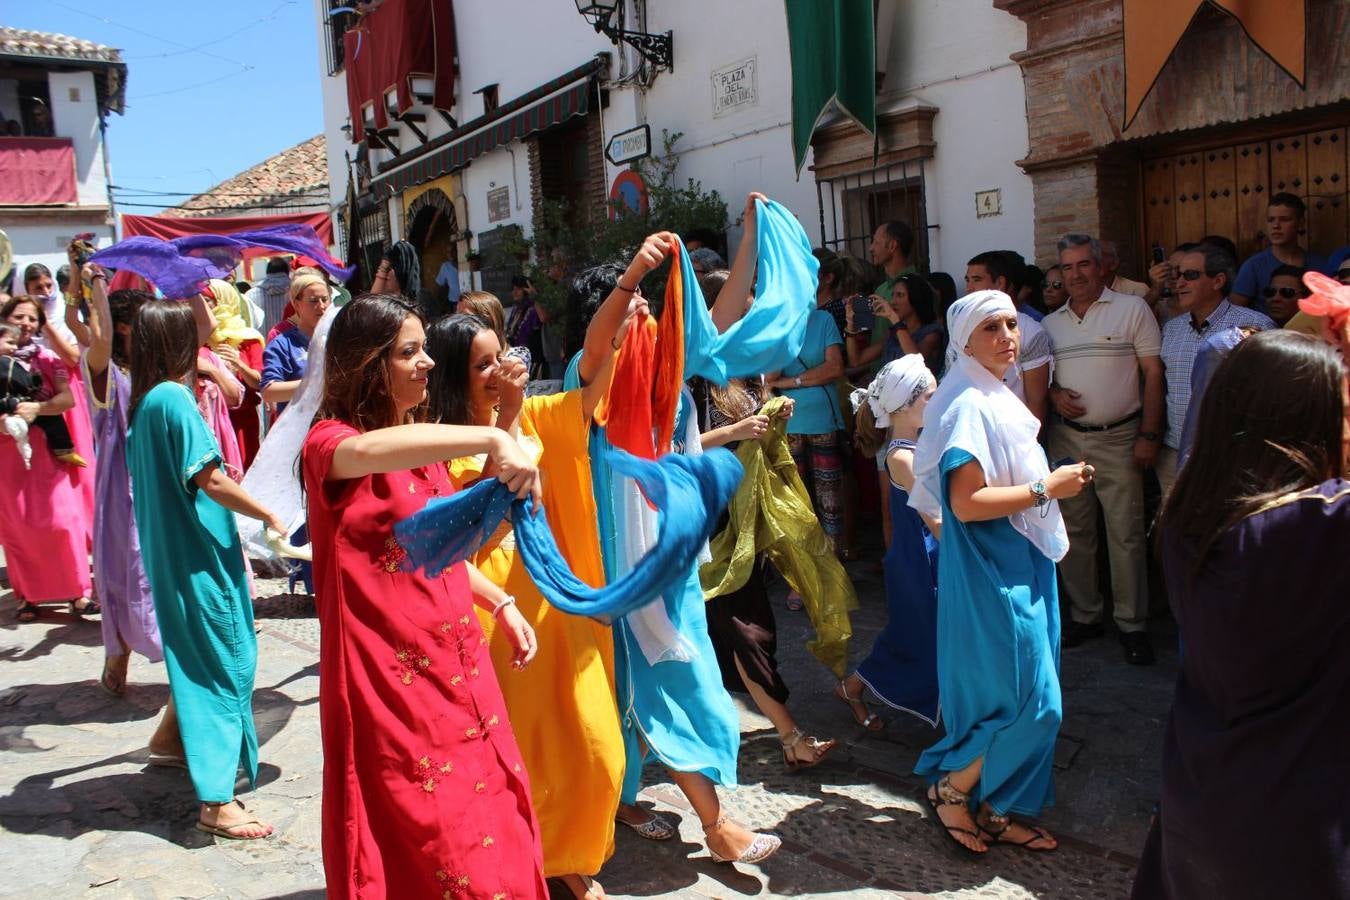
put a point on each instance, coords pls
(655, 48)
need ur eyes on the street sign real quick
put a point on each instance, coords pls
(626, 146)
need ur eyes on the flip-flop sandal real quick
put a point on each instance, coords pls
(109, 684)
(950, 831)
(1037, 834)
(654, 829)
(223, 831)
(90, 608)
(25, 612)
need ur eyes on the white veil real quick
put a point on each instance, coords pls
(274, 478)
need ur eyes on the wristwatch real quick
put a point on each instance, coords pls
(797, 381)
(1039, 493)
(1151, 436)
(900, 326)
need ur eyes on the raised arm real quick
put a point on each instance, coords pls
(603, 332)
(734, 297)
(101, 336)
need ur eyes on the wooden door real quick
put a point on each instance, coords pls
(1328, 228)
(1252, 169)
(1160, 221)
(1189, 175)
(1221, 192)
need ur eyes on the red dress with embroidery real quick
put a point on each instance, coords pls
(424, 792)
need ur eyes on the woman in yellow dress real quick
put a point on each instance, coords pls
(563, 707)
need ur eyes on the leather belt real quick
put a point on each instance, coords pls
(1093, 429)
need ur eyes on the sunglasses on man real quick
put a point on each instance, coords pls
(1287, 293)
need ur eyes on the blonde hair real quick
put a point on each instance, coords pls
(304, 278)
(487, 307)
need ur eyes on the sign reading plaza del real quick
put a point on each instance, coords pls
(734, 87)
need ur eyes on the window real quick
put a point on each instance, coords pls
(334, 30)
(853, 206)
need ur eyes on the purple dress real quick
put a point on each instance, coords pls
(1255, 790)
(128, 610)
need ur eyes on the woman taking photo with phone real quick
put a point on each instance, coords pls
(1253, 768)
(979, 469)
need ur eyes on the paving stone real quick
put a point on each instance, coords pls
(88, 817)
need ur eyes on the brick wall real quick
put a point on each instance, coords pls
(1084, 165)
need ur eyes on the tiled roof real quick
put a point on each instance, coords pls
(21, 44)
(294, 177)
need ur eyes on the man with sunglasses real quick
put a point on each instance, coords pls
(1284, 221)
(1204, 279)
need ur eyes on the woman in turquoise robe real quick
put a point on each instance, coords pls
(195, 565)
(978, 466)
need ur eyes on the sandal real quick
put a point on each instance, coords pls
(654, 829)
(229, 831)
(992, 826)
(945, 794)
(819, 750)
(760, 849)
(85, 606)
(25, 612)
(870, 720)
(590, 887)
(110, 683)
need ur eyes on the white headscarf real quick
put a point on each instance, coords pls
(975, 412)
(897, 386)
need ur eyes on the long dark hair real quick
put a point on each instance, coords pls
(124, 305)
(1270, 425)
(356, 386)
(164, 346)
(448, 344)
(34, 271)
(920, 297)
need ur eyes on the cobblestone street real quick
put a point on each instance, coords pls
(81, 814)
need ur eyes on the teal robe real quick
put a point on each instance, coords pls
(195, 565)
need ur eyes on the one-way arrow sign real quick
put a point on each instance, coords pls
(626, 146)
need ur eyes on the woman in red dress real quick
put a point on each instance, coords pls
(425, 794)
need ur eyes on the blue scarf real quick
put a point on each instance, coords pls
(689, 493)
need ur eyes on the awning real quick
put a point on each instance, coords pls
(548, 105)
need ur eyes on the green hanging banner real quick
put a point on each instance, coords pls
(833, 47)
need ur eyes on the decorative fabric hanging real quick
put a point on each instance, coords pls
(771, 514)
(689, 494)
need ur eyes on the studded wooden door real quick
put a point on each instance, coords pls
(1225, 191)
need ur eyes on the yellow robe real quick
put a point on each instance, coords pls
(562, 705)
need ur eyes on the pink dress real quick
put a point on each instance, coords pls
(80, 421)
(216, 411)
(45, 521)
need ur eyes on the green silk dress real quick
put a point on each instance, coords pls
(195, 565)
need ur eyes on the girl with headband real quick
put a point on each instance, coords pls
(901, 670)
(979, 468)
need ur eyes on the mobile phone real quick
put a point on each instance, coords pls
(1158, 254)
(863, 316)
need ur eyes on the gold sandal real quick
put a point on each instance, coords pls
(819, 750)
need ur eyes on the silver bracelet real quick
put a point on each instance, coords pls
(509, 601)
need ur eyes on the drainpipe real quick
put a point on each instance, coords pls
(107, 173)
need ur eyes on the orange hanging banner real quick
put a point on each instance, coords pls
(1153, 28)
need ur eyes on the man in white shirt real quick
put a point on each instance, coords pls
(1104, 342)
(1114, 280)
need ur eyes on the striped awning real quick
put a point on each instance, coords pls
(542, 108)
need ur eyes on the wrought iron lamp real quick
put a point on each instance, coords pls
(607, 16)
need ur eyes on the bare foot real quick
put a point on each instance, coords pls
(233, 821)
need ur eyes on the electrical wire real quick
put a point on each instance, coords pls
(145, 193)
(107, 21)
(224, 37)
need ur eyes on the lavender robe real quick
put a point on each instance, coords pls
(128, 610)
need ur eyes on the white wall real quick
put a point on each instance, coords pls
(954, 55)
(44, 240)
(77, 119)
